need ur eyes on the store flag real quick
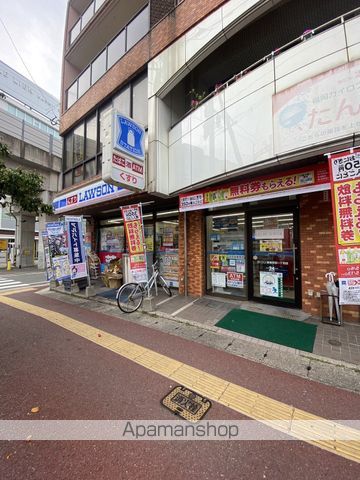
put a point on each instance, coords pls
(134, 228)
(76, 251)
(345, 188)
(58, 250)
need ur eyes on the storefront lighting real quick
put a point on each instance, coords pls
(170, 212)
(230, 215)
(174, 223)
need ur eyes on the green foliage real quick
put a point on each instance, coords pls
(21, 188)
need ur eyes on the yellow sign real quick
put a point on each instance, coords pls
(3, 244)
(347, 206)
(271, 246)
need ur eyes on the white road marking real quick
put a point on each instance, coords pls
(183, 308)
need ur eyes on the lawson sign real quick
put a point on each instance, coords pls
(89, 195)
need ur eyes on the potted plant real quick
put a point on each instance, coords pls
(196, 97)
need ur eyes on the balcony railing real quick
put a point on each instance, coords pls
(134, 31)
(85, 19)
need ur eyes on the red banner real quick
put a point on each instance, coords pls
(345, 188)
(133, 223)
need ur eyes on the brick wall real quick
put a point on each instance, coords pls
(195, 253)
(158, 10)
(318, 252)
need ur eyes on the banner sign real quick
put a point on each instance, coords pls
(133, 224)
(123, 154)
(345, 182)
(308, 179)
(76, 251)
(58, 250)
(271, 284)
(48, 267)
(90, 194)
(317, 110)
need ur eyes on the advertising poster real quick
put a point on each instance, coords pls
(48, 267)
(345, 188)
(271, 284)
(270, 245)
(235, 280)
(169, 266)
(218, 279)
(58, 250)
(76, 251)
(133, 223)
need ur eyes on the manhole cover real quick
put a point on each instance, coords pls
(187, 404)
(334, 343)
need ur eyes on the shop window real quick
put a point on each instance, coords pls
(111, 244)
(84, 82)
(90, 169)
(78, 144)
(98, 67)
(79, 173)
(137, 28)
(167, 249)
(226, 266)
(91, 137)
(116, 49)
(122, 101)
(140, 101)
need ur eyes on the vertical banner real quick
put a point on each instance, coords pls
(345, 188)
(134, 229)
(58, 250)
(48, 266)
(76, 251)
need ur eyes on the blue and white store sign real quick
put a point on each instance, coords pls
(91, 194)
(76, 251)
(123, 154)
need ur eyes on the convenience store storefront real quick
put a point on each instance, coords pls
(100, 204)
(252, 238)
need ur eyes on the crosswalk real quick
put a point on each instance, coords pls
(9, 283)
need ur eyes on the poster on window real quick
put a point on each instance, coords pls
(271, 284)
(235, 280)
(218, 279)
(345, 188)
(133, 223)
(76, 251)
(271, 246)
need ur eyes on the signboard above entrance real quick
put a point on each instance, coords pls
(123, 160)
(305, 180)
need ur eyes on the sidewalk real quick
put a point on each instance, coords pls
(335, 359)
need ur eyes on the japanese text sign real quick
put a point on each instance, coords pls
(133, 223)
(76, 252)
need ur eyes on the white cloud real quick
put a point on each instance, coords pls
(37, 29)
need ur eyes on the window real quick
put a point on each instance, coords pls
(98, 4)
(116, 49)
(72, 94)
(75, 31)
(140, 101)
(79, 144)
(11, 109)
(91, 137)
(79, 173)
(20, 114)
(137, 28)
(98, 67)
(84, 82)
(87, 15)
(68, 151)
(28, 119)
(122, 101)
(90, 169)
(102, 113)
(68, 179)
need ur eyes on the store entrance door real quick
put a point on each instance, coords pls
(274, 258)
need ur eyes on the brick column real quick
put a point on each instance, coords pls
(318, 252)
(195, 254)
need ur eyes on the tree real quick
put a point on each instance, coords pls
(20, 188)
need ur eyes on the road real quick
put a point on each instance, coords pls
(20, 278)
(78, 365)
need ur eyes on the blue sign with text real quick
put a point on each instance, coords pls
(129, 137)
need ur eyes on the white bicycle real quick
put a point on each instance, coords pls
(130, 296)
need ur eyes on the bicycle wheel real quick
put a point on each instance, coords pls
(130, 297)
(164, 285)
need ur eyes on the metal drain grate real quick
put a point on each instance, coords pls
(187, 404)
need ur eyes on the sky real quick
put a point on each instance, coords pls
(37, 29)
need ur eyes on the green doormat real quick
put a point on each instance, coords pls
(273, 329)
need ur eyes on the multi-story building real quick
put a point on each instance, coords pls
(241, 99)
(29, 128)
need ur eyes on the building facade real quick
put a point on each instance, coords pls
(241, 100)
(29, 128)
